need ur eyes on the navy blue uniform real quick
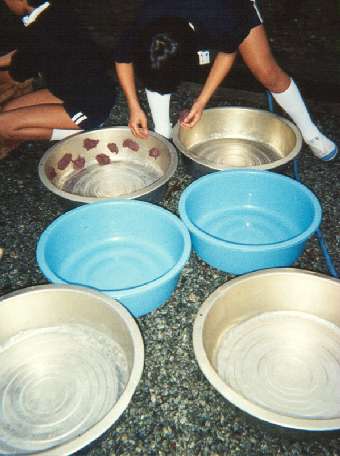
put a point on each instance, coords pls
(220, 25)
(72, 65)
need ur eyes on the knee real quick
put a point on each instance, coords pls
(273, 78)
(9, 105)
(6, 129)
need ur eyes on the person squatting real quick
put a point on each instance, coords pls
(79, 92)
(168, 39)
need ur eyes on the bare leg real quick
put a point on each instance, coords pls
(256, 53)
(6, 147)
(34, 122)
(5, 79)
(33, 116)
(43, 96)
(10, 89)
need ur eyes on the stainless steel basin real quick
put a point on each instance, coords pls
(269, 342)
(108, 163)
(230, 137)
(70, 361)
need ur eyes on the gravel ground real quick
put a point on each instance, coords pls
(174, 410)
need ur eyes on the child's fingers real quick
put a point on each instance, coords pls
(191, 119)
(139, 131)
(142, 133)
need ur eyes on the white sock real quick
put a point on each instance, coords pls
(160, 111)
(291, 101)
(58, 133)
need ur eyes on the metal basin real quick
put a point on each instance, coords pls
(108, 163)
(70, 361)
(269, 342)
(237, 137)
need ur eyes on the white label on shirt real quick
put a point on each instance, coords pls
(203, 57)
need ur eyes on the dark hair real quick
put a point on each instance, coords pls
(166, 50)
(162, 48)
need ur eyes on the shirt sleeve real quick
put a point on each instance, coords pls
(125, 50)
(23, 64)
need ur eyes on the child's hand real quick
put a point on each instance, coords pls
(138, 124)
(193, 116)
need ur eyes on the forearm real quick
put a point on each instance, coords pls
(5, 79)
(6, 60)
(5, 63)
(219, 70)
(126, 77)
(138, 122)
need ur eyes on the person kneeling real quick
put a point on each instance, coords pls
(79, 92)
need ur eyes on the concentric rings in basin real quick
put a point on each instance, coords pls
(287, 362)
(114, 180)
(228, 152)
(132, 250)
(269, 343)
(234, 136)
(55, 384)
(243, 220)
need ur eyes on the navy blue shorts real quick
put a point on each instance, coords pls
(256, 19)
(90, 110)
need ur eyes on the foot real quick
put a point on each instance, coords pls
(6, 147)
(322, 147)
(14, 90)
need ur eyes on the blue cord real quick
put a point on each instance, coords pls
(328, 258)
(270, 101)
(296, 170)
(318, 233)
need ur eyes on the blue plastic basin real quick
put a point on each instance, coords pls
(132, 250)
(245, 220)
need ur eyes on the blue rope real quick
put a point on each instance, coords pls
(318, 233)
(270, 101)
(296, 170)
(330, 265)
